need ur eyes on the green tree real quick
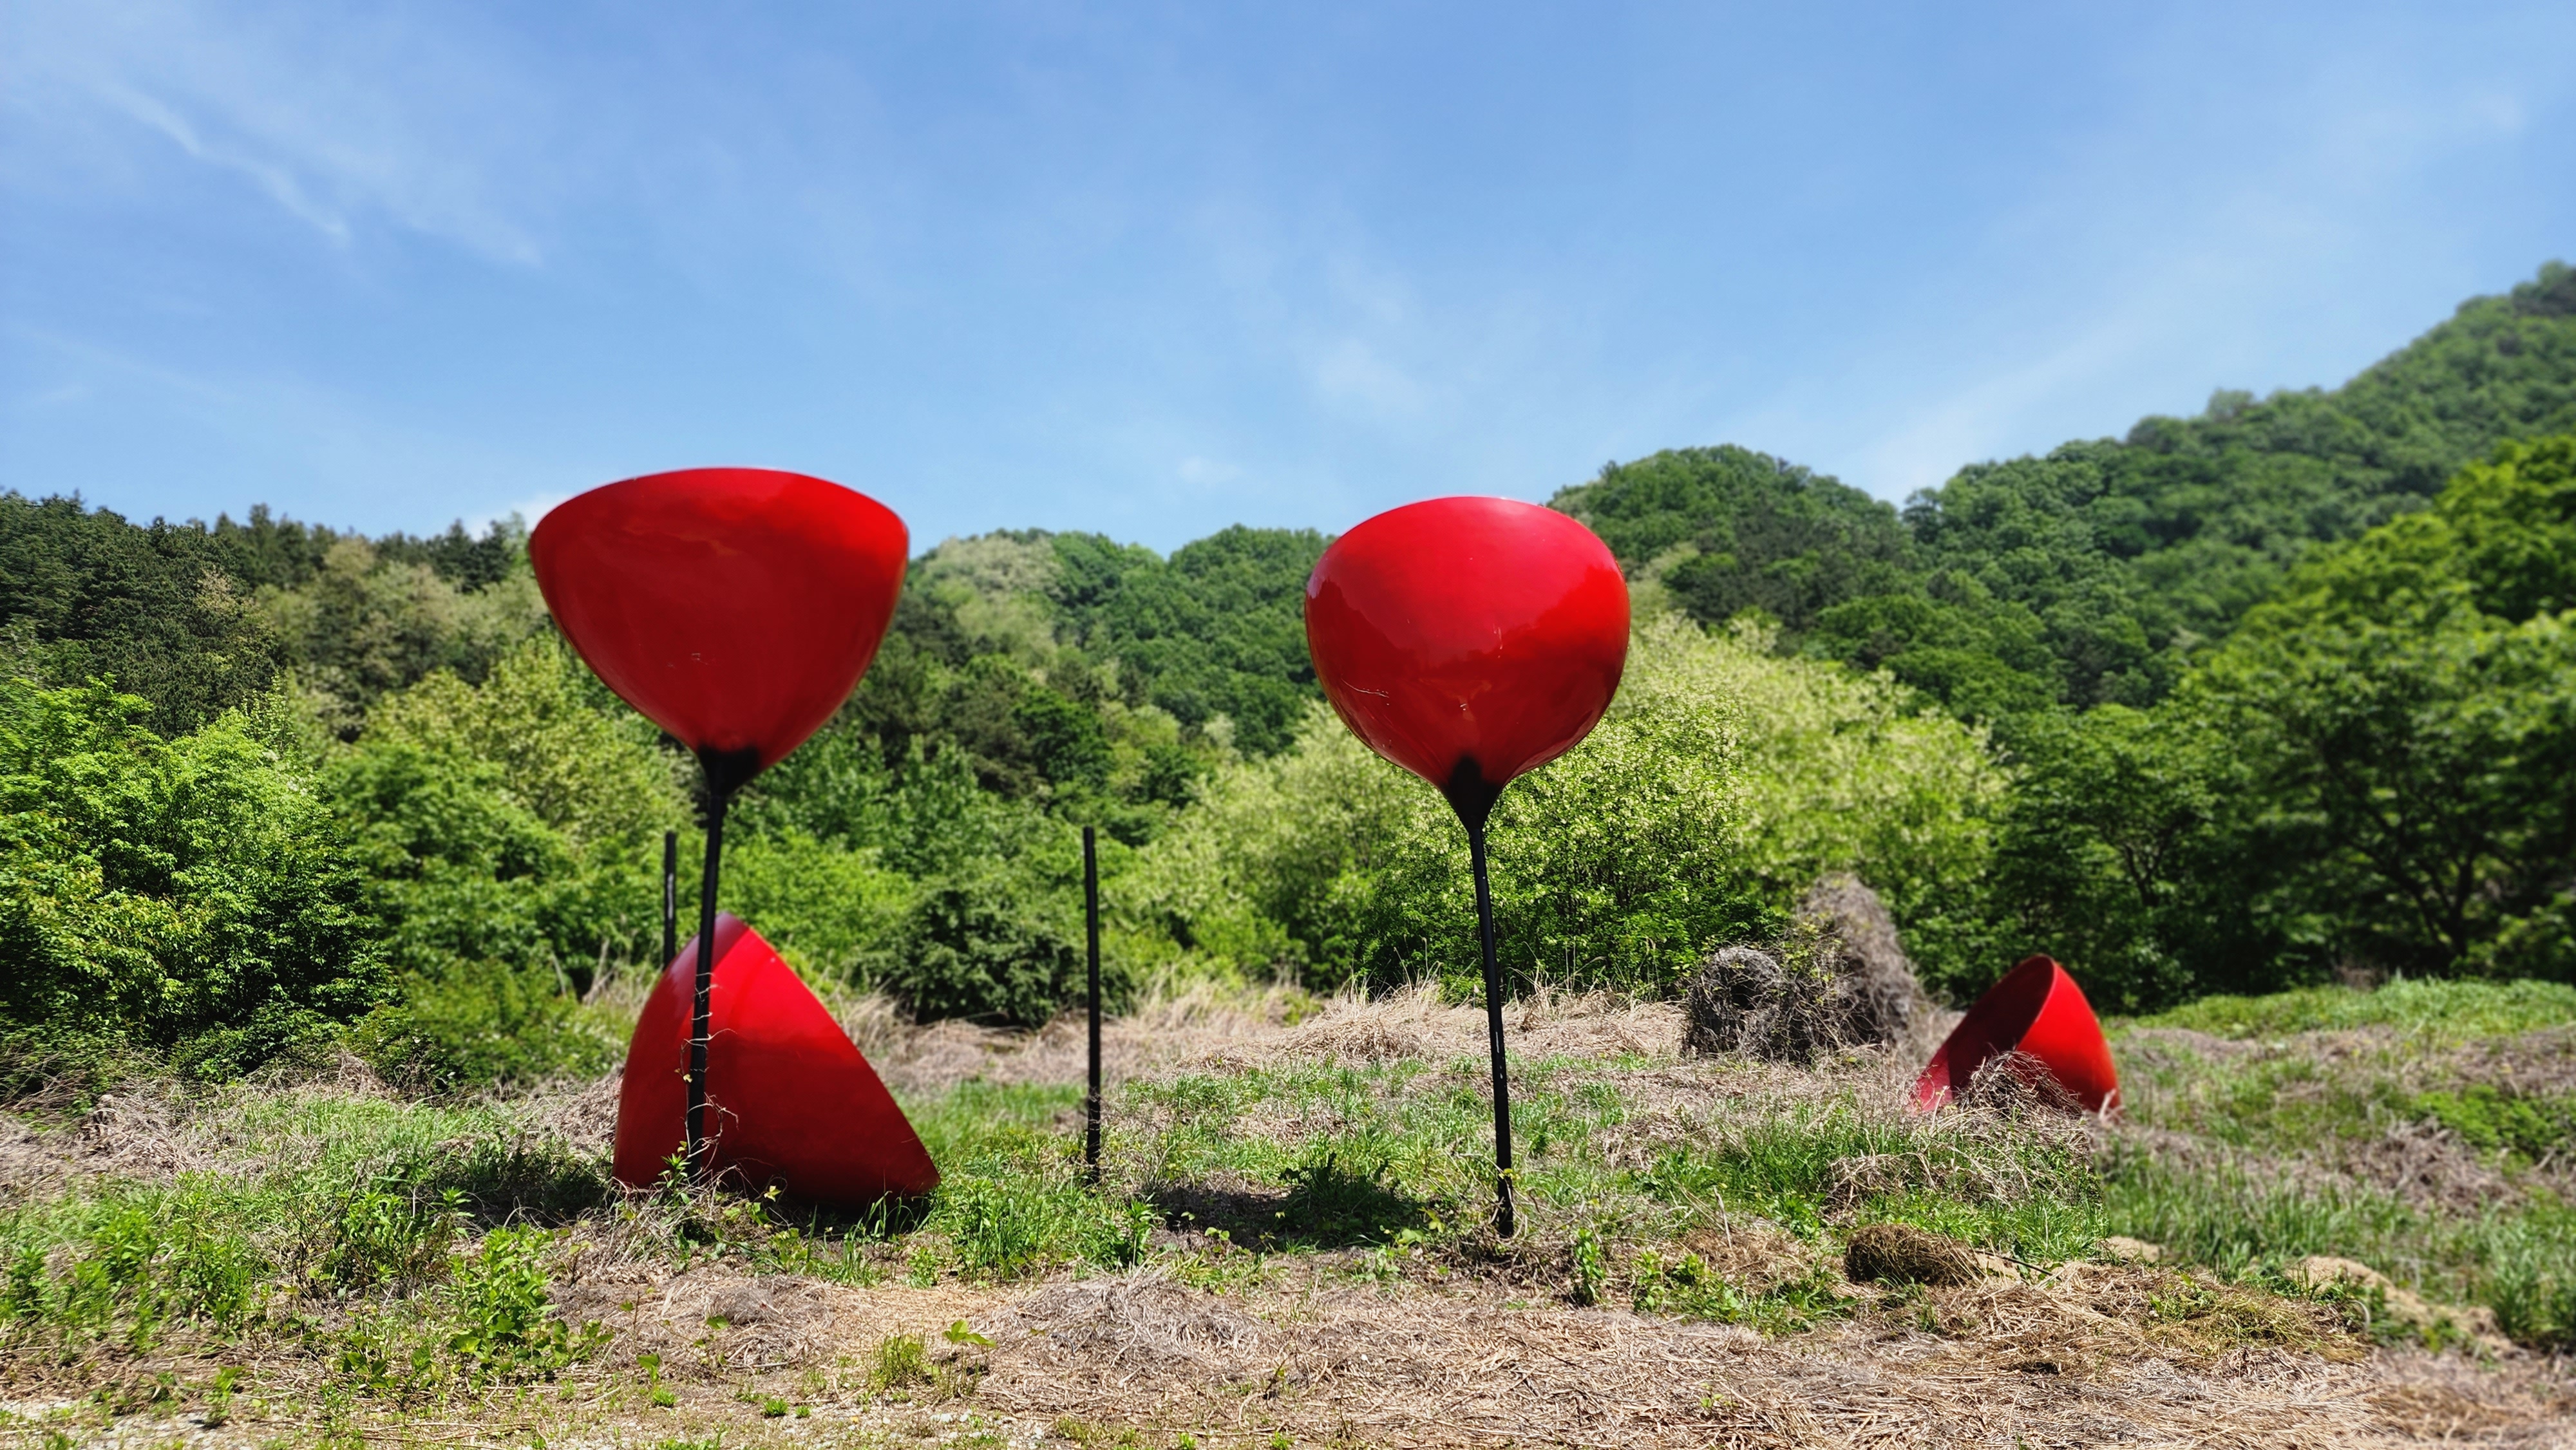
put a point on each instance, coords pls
(2374, 771)
(153, 610)
(518, 821)
(163, 890)
(2423, 769)
(2109, 852)
(1725, 530)
(1722, 782)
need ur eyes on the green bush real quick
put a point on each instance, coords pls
(1722, 782)
(483, 1022)
(159, 890)
(980, 948)
(518, 821)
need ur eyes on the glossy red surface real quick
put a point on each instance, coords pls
(735, 607)
(1468, 639)
(2037, 1009)
(789, 1099)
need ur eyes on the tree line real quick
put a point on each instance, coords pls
(2234, 702)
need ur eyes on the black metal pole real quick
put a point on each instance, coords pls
(717, 800)
(1091, 930)
(1493, 1031)
(670, 896)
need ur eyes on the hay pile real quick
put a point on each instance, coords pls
(1895, 1253)
(1837, 980)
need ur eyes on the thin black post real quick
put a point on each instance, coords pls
(1091, 931)
(670, 896)
(717, 799)
(1493, 1030)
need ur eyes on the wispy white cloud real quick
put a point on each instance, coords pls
(277, 180)
(423, 128)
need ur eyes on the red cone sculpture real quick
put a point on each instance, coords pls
(2036, 1009)
(736, 608)
(1470, 640)
(794, 1102)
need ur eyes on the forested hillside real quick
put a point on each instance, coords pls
(2098, 572)
(2239, 701)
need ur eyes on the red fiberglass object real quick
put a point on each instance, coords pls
(1468, 639)
(2037, 1009)
(735, 607)
(790, 1100)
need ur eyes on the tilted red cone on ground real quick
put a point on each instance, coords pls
(735, 607)
(2036, 1009)
(1468, 639)
(790, 1099)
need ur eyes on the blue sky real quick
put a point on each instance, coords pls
(1152, 270)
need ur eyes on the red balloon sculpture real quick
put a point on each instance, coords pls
(2036, 1009)
(736, 608)
(775, 1057)
(1470, 640)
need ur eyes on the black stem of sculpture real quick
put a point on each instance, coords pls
(1494, 1033)
(1091, 929)
(670, 896)
(698, 1147)
(1472, 797)
(726, 771)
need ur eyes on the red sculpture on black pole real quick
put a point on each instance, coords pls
(737, 608)
(1471, 640)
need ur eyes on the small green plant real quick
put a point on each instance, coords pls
(219, 1395)
(655, 1392)
(392, 1238)
(1591, 1266)
(902, 1362)
(506, 1325)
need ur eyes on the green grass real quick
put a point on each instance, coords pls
(2292, 1112)
(357, 1199)
(2444, 1010)
(406, 1247)
(2518, 1260)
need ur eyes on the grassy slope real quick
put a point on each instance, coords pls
(369, 1259)
(2425, 1129)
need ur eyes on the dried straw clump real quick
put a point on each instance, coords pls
(1895, 1253)
(1746, 1000)
(1837, 980)
(2015, 1086)
(1856, 940)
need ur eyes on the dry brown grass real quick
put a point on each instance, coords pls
(2078, 1360)
(1445, 1354)
(2081, 1359)
(1166, 1027)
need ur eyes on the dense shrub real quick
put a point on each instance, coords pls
(1723, 780)
(976, 947)
(164, 889)
(517, 822)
